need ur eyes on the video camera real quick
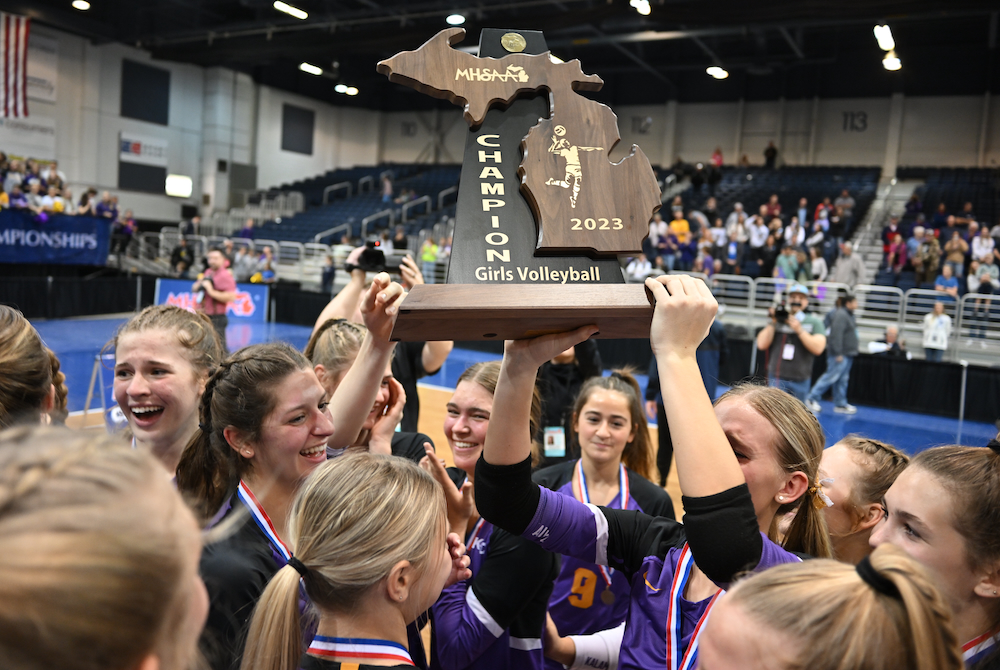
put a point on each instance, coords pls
(373, 259)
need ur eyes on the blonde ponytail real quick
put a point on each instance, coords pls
(274, 641)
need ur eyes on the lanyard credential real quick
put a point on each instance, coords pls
(260, 517)
(689, 659)
(359, 649)
(583, 495)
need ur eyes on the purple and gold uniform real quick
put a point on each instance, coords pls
(494, 620)
(721, 529)
(581, 603)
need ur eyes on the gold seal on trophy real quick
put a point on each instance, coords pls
(513, 42)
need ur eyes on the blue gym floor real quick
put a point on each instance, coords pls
(78, 341)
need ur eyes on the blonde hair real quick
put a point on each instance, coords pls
(354, 518)
(638, 454)
(194, 333)
(835, 620)
(799, 449)
(90, 558)
(335, 345)
(880, 463)
(30, 370)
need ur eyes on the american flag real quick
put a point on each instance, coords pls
(13, 64)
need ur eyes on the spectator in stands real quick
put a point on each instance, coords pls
(983, 246)
(444, 248)
(733, 259)
(823, 210)
(926, 257)
(34, 197)
(64, 202)
(181, 258)
(804, 272)
(399, 241)
(50, 199)
(838, 227)
(795, 235)
(895, 260)
(890, 231)
(734, 215)
(913, 206)
(88, 203)
(719, 237)
(849, 268)
(14, 176)
(803, 211)
(841, 348)
(386, 188)
(32, 173)
(19, 201)
(971, 232)
(680, 227)
(4, 199)
(264, 272)
(53, 176)
(913, 243)
(711, 210)
(740, 228)
(191, 226)
(759, 232)
(107, 207)
(955, 250)
(937, 330)
(773, 207)
(967, 215)
(244, 264)
(122, 232)
(247, 231)
(706, 243)
(717, 157)
(817, 237)
(892, 344)
(940, 218)
(428, 259)
(787, 265)
(817, 264)
(220, 290)
(947, 284)
(767, 257)
(792, 339)
(982, 273)
(770, 155)
(846, 204)
(638, 268)
(329, 274)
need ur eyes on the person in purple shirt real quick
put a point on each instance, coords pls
(752, 458)
(615, 469)
(495, 619)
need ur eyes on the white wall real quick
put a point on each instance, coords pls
(941, 131)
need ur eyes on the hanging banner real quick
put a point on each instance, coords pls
(32, 137)
(43, 67)
(142, 149)
(250, 305)
(56, 238)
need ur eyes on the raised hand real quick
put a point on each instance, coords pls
(460, 502)
(685, 308)
(410, 273)
(459, 561)
(380, 306)
(528, 355)
(380, 440)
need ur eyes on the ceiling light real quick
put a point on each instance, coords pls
(455, 20)
(310, 68)
(351, 90)
(291, 11)
(891, 61)
(717, 72)
(179, 186)
(340, 88)
(641, 6)
(82, 5)
(884, 37)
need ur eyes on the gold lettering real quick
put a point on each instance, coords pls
(489, 204)
(491, 171)
(485, 140)
(494, 255)
(492, 189)
(483, 156)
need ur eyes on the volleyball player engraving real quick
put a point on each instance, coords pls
(540, 204)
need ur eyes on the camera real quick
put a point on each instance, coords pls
(781, 313)
(373, 259)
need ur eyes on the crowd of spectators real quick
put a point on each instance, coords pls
(950, 253)
(801, 243)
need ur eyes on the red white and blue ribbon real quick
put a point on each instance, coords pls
(475, 533)
(688, 658)
(359, 649)
(979, 647)
(260, 517)
(583, 495)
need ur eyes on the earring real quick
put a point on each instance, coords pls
(781, 498)
(246, 453)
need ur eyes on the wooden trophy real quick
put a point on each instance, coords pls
(542, 213)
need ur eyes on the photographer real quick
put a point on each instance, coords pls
(792, 340)
(218, 288)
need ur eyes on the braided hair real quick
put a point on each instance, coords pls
(239, 394)
(30, 370)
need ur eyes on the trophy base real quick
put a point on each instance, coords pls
(468, 312)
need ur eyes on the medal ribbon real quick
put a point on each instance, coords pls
(359, 649)
(475, 532)
(687, 660)
(260, 517)
(583, 495)
(978, 645)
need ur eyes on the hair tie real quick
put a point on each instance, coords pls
(994, 444)
(874, 579)
(298, 566)
(820, 499)
(205, 427)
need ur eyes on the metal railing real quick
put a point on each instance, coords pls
(344, 185)
(878, 306)
(423, 200)
(368, 181)
(390, 213)
(444, 194)
(737, 294)
(318, 237)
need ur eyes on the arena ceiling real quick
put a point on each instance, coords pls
(790, 48)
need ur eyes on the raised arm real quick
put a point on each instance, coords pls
(683, 315)
(355, 396)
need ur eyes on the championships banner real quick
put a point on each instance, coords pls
(71, 240)
(250, 305)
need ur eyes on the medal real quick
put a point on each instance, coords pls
(263, 522)
(359, 649)
(676, 660)
(583, 495)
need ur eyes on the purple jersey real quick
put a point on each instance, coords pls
(646, 549)
(494, 620)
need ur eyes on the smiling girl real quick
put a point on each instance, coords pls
(944, 511)
(615, 470)
(163, 358)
